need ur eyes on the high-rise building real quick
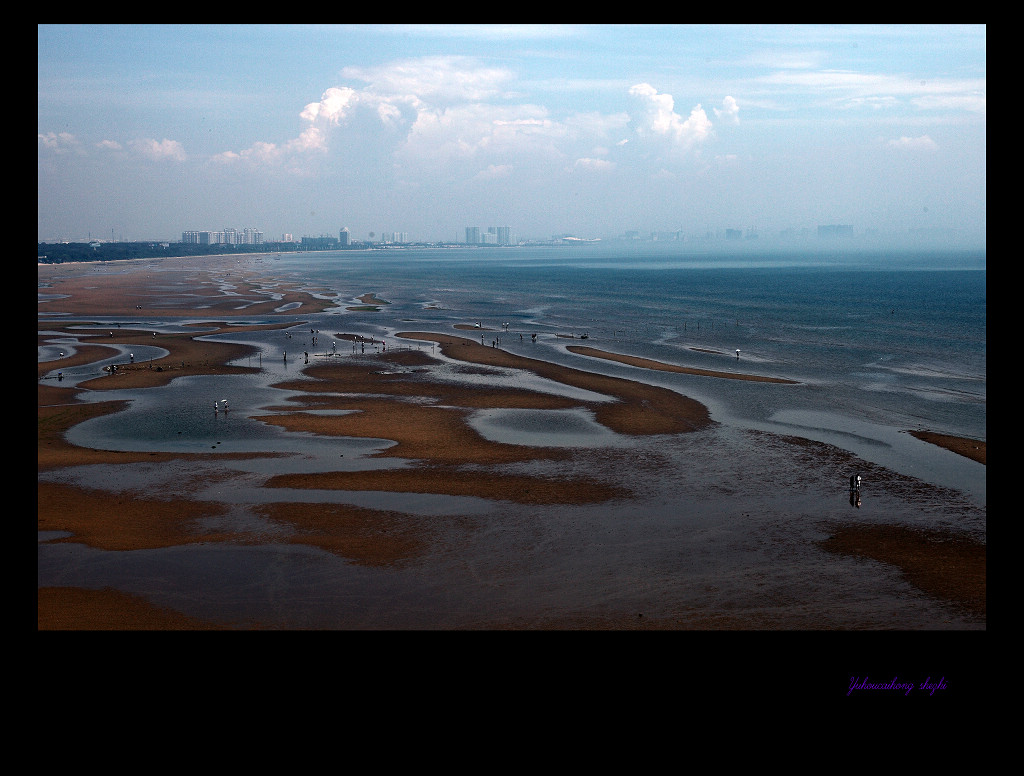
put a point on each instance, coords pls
(343, 236)
(502, 234)
(248, 236)
(472, 235)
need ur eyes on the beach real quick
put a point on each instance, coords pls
(393, 394)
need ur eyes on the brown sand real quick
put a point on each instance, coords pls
(974, 449)
(74, 608)
(638, 409)
(425, 420)
(943, 564)
(175, 288)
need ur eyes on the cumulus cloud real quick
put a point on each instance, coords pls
(445, 110)
(159, 149)
(333, 106)
(730, 111)
(312, 139)
(659, 118)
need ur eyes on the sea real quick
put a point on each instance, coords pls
(875, 344)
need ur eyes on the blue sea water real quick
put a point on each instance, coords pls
(876, 344)
(877, 341)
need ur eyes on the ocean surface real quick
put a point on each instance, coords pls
(877, 343)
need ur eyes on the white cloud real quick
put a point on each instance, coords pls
(923, 143)
(440, 136)
(333, 106)
(159, 149)
(589, 163)
(974, 103)
(312, 139)
(59, 142)
(444, 110)
(660, 118)
(856, 89)
(730, 111)
(494, 172)
(109, 145)
(438, 79)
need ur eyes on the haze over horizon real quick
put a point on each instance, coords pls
(145, 131)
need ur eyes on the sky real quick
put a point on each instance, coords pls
(147, 131)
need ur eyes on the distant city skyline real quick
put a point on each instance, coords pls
(148, 131)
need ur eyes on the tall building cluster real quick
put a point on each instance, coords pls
(247, 236)
(495, 235)
(475, 235)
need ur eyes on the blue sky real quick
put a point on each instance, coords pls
(146, 131)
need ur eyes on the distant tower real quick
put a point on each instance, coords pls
(343, 236)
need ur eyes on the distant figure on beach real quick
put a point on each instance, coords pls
(737, 354)
(854, 482)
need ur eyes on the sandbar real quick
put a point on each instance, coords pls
(647, 363)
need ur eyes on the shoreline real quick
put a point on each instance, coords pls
(427, 422)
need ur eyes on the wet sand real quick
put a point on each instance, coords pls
(646, 363)
(426, 420)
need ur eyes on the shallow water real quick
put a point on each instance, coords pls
(722, 525)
